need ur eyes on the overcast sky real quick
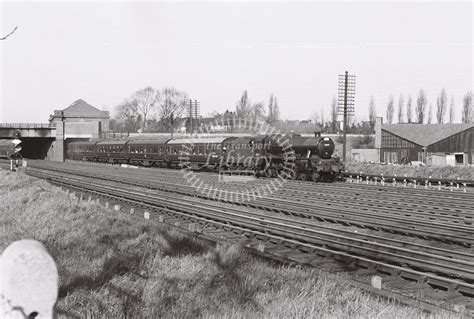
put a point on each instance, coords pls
(103, 51)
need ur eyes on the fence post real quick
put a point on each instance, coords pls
(28, 281)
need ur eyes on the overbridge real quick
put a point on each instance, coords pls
(45, 130)
(79, 121)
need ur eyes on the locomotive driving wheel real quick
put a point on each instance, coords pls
(315, 176)
(270, 172)
(288, 174)
(303, 176)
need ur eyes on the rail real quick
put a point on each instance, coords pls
(424, 228)
(424, 267)
(427, 266)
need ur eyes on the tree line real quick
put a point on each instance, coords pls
(161, 109)
(420, 111)
(150, 108)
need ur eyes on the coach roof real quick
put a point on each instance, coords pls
(191, 141)
(149, 142)
(112, 142)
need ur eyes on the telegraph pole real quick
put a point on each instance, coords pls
(346, 94)
(196, 113)
(193, 115)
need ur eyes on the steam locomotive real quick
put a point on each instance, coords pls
(290, 156)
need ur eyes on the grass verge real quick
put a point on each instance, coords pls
(112, 265)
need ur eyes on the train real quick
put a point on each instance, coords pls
(10, 149)
(291, 156)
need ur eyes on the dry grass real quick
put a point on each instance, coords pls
(448, 172)
(114, 266)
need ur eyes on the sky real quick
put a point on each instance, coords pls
(103, 51)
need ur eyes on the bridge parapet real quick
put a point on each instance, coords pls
(8, 130)
(26, 125)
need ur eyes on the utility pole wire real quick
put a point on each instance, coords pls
(9, 34)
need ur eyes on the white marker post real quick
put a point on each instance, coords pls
(28, 281)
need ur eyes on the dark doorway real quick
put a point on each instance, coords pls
(459, 159)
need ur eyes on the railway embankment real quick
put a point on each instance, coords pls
(113, 264)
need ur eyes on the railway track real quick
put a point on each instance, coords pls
(363, 255)
(321, 203)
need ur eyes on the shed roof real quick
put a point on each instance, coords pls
(426, 134)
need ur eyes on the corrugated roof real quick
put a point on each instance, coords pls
(426, 134)
(81, 108)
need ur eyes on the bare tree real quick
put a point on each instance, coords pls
(258, 110)
(171, 106)
(316, 118)
(400, 109)
(409, 112)
(276, 109)
(420, 107)
(333, 114)
(145, 101)
(273, 111)
(5, 37)
(323, 118)
(467, 108)
(243, 108)
(441, 104)
(451, 110)
(372, 113)
(430, 108)
(390, 110)
(127, 115)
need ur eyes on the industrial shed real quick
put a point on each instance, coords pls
(435, 144)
